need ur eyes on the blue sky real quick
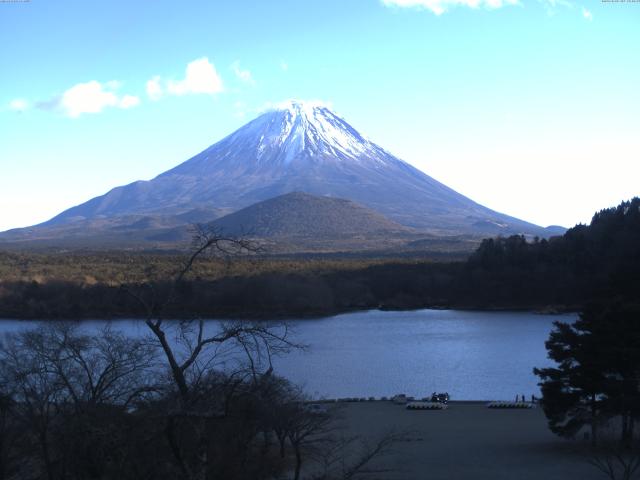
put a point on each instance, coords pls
(529, 107)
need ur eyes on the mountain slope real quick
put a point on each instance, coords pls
(300, 147)
(126, 231)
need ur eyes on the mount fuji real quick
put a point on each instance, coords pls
(295, 147)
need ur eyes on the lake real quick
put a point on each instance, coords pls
(472, 355)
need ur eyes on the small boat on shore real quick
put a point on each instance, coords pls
(426, 406)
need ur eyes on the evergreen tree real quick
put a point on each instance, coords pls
(572, 393)
(598, 373)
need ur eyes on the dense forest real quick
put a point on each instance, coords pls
(600, 260)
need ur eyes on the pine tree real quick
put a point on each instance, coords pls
(598, 373)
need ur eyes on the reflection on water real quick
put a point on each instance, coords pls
(472, 355)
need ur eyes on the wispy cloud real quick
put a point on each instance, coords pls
(441, 6)
(284, 65)
(154, 89)
(18, 105)
(552, 7)
(90, 97)
(243, 75)
(557, 3)
(128, 101)
(289, 103)
(200, 77)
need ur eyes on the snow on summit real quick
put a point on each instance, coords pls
(300, 130)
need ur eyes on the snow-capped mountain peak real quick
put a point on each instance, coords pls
(301, 132)
(301, 146)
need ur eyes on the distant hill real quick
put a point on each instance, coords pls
(299, 214)
(122, 231)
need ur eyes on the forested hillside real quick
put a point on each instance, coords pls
(586, 263)
(601, 260)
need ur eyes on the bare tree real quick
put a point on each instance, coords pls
(36, 392)
(314, 432)
(102, 368)
(61, 381)
(306, 430)
(192, 348)
(258, 340)
(346, 458)
(617, 464)
(8, 434)
(616, 459)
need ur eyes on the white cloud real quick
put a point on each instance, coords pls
(440, 6)
(129, 101)
(154, 89)
(587, 14)
(93, 97)
(18, 105)
(286, 104)
(243, 75)
(284, 65)
(201, 77)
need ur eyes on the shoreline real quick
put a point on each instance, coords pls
(548, 310)
(356, 400)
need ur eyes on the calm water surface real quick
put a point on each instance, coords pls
(472, 355)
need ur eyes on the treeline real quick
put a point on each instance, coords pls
(272, 294)
(115, 267)
(588, 263)
(601, 260)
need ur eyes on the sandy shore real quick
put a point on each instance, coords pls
(470, 441)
